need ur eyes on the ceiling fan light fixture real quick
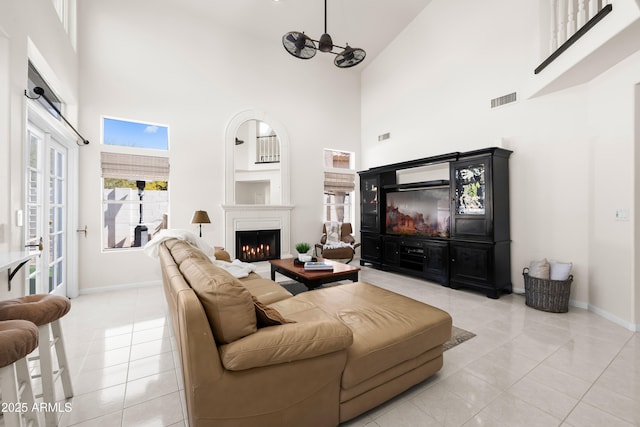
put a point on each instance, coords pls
(325, 44)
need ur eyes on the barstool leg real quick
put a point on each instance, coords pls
(17, 394)
(61, 354)
(52, 333)
(46, 375)
(9, 387)
(32, 417)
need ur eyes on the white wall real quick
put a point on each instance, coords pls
(150, 61)
(29, 29)
(573, 161)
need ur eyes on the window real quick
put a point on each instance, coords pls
(135, 187)
(61, 9)
(67, 12)
(126, 133)
(339, 185)
(36, 80)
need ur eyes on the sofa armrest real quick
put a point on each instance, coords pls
(222, 255)
(285, 343)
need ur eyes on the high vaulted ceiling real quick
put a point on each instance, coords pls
(368, 24)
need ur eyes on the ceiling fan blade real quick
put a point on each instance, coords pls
(344, 56)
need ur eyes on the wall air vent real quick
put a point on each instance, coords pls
(384, 136)
(502, 100)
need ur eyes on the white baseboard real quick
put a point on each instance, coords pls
(596, 310)
(615, 319)
(87, 291)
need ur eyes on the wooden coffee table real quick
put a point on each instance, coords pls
(313, 279)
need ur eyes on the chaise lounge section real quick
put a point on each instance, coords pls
(254, 355)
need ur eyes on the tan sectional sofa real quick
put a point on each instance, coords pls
(254, 355)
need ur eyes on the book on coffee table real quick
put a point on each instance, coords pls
(320, 265)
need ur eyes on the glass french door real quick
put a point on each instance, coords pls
(46, 212)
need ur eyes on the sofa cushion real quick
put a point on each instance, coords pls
(226, 302)
(181, 250)
(286, 344)
(268, 316)
(388, 329)
(265, 290)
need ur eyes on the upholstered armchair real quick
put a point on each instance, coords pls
(337, 242)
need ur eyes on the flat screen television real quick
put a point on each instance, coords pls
(418, 211)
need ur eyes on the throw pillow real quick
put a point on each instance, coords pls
(226, 302)
(560, 270)
(222, 255)
(268, 316)
(539, 269)
(333, 231)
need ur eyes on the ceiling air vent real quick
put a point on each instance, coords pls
(502, 100)
(384, 136)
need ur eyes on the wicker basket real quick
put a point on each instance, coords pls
(547, 295)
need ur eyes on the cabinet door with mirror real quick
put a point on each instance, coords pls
(471, 198)
(470, 189)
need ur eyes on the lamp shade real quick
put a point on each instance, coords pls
(200, 217)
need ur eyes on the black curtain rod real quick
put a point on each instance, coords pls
(40, 92)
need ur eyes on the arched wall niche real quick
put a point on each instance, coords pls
(230, 152)
(245, 217)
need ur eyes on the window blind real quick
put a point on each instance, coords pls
(339, 182)
(134, 167)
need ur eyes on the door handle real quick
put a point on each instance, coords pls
(39, 245)
(84, 230)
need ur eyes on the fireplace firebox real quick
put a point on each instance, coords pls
(257, 245)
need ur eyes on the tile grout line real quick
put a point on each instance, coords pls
(593, 383)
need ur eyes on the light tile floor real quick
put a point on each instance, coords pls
(524, 368)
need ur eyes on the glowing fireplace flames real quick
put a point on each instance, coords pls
(249, 252)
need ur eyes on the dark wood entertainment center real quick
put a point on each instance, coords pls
(467, 245)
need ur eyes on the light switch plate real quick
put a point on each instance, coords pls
(622, 214)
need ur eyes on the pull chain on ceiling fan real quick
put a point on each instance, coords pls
(302, 46)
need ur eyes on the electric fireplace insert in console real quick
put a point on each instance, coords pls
(422, 211)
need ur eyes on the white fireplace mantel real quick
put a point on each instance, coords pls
(257, 217)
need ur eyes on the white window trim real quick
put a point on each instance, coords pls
(136, 151)
(350, 171)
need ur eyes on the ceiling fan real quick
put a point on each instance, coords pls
(302, 46)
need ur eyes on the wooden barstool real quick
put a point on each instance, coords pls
(18, 338)
(45, 311)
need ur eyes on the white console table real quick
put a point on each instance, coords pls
(15, 260)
